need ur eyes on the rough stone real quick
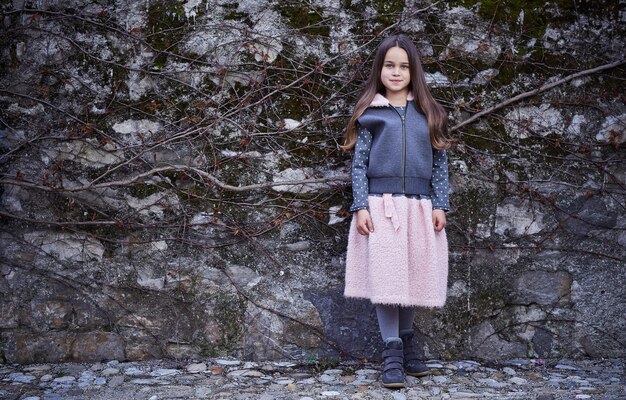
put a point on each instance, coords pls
(542, 342)
(98, 346)
(87, 153)
(111, 96)
(542, 287)
(523, 122)
(28, 348)
(473, 42)
(486, 341)
(585, 214)
(154, 205)
(137, 131)
(67, 246)
(12, 198)
(612, 130)
(196, 368)
(294, 175)
(8, 315)
(518, 219)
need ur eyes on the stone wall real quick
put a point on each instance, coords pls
(172, 186)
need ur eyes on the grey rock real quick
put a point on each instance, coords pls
(146, 381)
(298, 246)
(196, 368)
(492, 345)
(67, 246)
(89, 153)
(542, 342)
(584, 214)
(116, 381)
(134, 371)
(164, 372)
(489, 382)
(228, 362)
(518, 381)
(328, 378)
(19, 377)
(65, 379)
(110, 371)
(565, 365)
(515, 218)
(526, 121)
(97, 346)
(543, 288)
(509, 371)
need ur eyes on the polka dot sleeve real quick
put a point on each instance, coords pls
(360, 186)
(439, 186)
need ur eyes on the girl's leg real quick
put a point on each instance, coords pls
(388, 321)
(406, 316)
(393, 356)
(412, 364)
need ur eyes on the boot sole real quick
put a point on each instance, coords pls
(394, 385)
(418, 374)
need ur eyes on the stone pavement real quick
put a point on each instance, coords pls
(233, 379)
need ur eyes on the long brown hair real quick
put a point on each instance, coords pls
(424, 101)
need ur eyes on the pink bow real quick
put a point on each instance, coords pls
(390, 210)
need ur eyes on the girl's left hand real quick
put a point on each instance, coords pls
(439, 220)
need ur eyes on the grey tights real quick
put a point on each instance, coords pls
(393, 319)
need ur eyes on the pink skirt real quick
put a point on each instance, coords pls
(404, 261)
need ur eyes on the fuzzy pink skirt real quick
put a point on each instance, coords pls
(404, 261)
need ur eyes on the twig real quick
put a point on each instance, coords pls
(154, 171)
(536, 91)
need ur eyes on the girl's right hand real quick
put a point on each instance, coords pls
(364, 222)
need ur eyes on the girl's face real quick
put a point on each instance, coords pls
(396, 74)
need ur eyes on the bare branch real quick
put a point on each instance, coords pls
(534, 92)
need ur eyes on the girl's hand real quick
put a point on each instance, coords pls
(439, 220)
(364, 222)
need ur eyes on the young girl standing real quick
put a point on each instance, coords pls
(397, 249)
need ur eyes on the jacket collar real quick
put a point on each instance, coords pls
(381, 101)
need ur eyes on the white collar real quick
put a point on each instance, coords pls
(381, 101)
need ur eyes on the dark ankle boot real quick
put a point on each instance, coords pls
(412, 365)
(393, 374)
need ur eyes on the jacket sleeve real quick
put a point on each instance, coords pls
(360, 186)
(439, 186)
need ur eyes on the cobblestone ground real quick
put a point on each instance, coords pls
(233, 379)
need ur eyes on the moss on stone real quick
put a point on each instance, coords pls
(231, 13)
(536, 17)
(487, 296)
(389, 11)
(229, 314)
(476, 206)
(164, 27)
(142, 191)
(303, 18)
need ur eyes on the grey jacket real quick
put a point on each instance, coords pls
(393, 154)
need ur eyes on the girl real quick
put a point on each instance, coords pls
(397, 249)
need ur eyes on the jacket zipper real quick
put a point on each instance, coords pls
(403, 118)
